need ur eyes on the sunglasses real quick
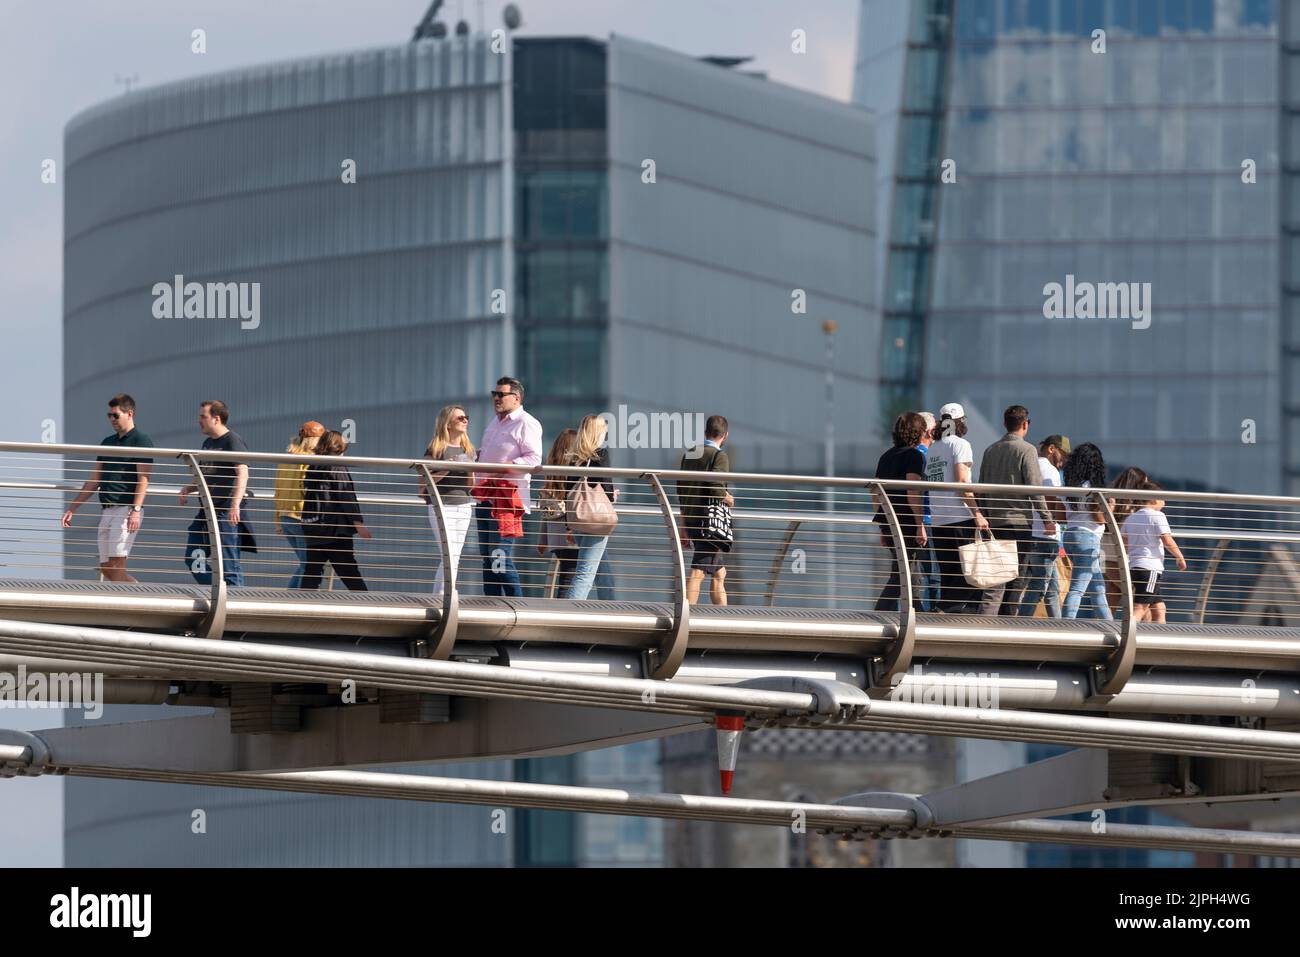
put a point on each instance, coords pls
(501, 395)
(116, 415)
(461, 418)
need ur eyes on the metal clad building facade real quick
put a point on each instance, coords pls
(760, 190)
(374, 296)
(1122, 166)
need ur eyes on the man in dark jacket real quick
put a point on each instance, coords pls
(695, 498)
(1012, 461)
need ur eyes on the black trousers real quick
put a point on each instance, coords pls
(954, 590)
(337, 550)
(888, 600)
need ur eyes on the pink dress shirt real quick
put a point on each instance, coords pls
(516, 439)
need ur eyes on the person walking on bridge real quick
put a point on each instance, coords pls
(695, 498)
(331, 517)
(514, 437)
(1012, 461)
(904, 461)
(1041, 582)
(955, 516)
(122, 484)
(227, 482)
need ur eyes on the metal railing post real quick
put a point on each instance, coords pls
(1110, 678)
(664, 661)
(213, 624)
(1207, 581)
(443, 636)
(790, 531)
(899, 656)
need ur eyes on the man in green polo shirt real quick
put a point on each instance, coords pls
(122, 483)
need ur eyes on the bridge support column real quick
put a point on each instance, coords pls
(254, 710)
(1110, 678)
(663, 662)
(899, 655)
(442, 638)
(213, 624)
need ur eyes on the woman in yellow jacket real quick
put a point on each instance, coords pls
(289, 495)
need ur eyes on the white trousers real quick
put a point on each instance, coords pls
(458, 518)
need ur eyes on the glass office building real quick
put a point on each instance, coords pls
(1147, 153)
(476, 174)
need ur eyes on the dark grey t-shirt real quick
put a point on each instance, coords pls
(220, 476)
(454, 486)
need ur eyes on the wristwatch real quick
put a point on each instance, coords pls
(137, 508)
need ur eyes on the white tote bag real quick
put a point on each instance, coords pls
(986, 562)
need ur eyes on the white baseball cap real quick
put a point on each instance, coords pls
(952, 410)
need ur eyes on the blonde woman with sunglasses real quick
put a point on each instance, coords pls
(450, 443)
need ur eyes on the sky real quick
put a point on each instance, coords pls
(55, 64)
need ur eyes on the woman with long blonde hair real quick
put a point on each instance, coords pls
(589, 449)
(450, 443)
(289, 495)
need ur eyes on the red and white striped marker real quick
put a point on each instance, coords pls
(729, 729)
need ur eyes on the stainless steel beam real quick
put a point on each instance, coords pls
(355, 736)
(246, 661)
(276, 613)
(840, 819)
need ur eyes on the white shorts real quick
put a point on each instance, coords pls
(114, 540)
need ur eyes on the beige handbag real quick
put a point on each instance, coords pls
(589, 510)
(986, 562)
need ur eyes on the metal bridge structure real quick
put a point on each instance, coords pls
(306, 687)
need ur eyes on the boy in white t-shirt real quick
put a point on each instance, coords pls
(1146, 536)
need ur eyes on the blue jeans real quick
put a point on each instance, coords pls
(930, 580)
(292, 529)
(604, 583)
(1040, 578)
(1084, 549)
(196, 550)
(591, 548)
(500, 577)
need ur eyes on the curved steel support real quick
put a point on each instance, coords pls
(664, 661)
(1207, 580)
(923, 814)
(213, 624)
(835, 702)
(790, 531)
(899, 655)
(22, 754)
(442, 637)
(1110, 678)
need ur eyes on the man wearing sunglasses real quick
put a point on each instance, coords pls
(122, 483)
(515, 437)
